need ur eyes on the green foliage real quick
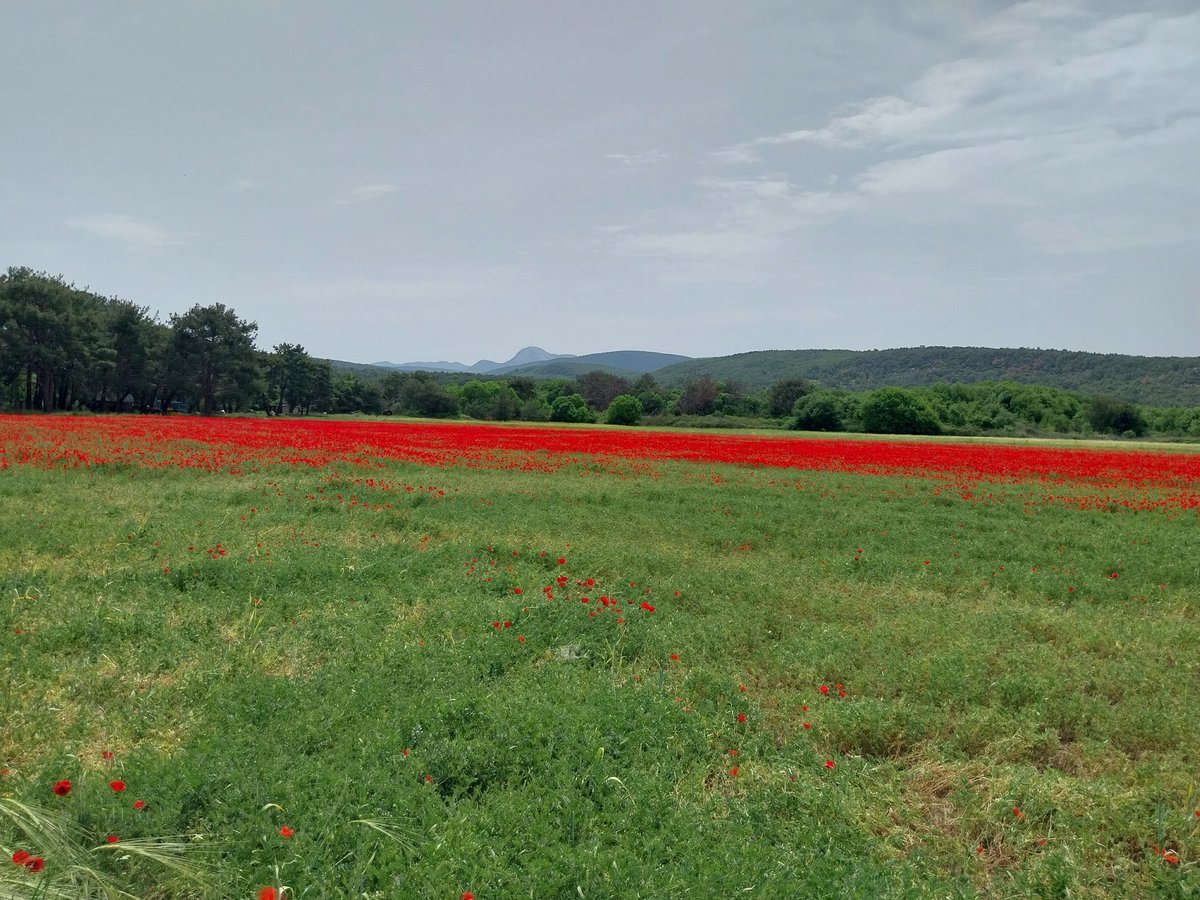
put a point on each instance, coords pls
(570, 408)
(491, 400)
(625, 410)
(783, 395)
(699, 397)
(820, 411)
(898, 411)
(212, 355)
(1116, 417)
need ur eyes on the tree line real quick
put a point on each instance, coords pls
(66, 348)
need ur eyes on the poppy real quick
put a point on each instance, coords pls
(829, 763)
(824, 689)
(62, 788)
(647, 607)
(741, 717)
(286, 832)
(139, 804)
(20, 857)
(268, 893)
(734, 771)
(36, 864)
(112, 839)
(117, 786)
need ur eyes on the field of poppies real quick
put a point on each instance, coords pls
(287, 658)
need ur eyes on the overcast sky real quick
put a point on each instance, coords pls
(451, 180)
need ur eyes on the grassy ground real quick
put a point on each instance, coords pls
(351, 662)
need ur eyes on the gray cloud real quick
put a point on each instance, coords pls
(126, 230)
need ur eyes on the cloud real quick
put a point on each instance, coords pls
(1054, 118)
(646, 158)
(366, 193)
(126, 230)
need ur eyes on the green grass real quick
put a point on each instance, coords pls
(339, 653)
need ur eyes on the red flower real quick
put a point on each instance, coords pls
(467, 895)
(62, 788)
(36, 864)
(428, 779)
(520, 638)
(561, 561)
(829, 764)
(647, 607)
(516, 590)
(20, 857)
(139, 804)
(117, 786)
(112, 839)
(1017, 812)
(807, 726)
(286, 832)
(675, 656)
(741, 717)
(824, 689)
(734, 771)
(268, 893)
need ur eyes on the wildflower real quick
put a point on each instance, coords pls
(286, 832)
(675, 656)
(268, 893)
(734, 771)
(62, 788)
(20, 857)
(824, 689)
(741, 717)
(112, 839)
(647, 607)
(520, 638)
(829, 763)
(139, 804)
(106, 755)
(467, 895)
(36, 864)
(807, 726)
(428, 778)
(516, 590)
(1017, 812)
(561, 561)
(117, 786)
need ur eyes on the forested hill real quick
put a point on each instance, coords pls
(1154, 380)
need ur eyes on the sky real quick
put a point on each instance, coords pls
(453, 181)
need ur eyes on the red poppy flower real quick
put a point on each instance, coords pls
(467, 895)
(647, 607)
(20, 857)
(268, 893)
(428, 779)
(675, 656)
(62, 788)
(286, 832)
(1017, 812)
(741, 717)
(829, 764)
(36, 864)
(117, 786)
(824, 689)
(807, 726)
(734, 771)
(561, 561)
(516, 590)
(112, 839)
(139, 804)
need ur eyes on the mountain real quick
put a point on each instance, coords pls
(1153, 380)
(526, 356)
(619, 362)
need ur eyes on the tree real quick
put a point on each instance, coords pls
(782, 396)
(894, 410)
(699, 397)
(625, 409)
(37, 337)
(214, 352)
(599, 388)
(1116, 416)
(818, 411)
(570, 408)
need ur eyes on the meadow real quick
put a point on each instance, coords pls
(286, 658)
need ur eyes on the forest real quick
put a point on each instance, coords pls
(64, 348)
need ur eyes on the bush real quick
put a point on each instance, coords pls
(625, 410)
(898, 411)
(570, 408)
(818, 412)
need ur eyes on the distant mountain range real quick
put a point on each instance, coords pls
(1152, 380)
(536, 361)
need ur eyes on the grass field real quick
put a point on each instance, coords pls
(386, 660)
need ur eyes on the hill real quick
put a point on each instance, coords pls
(1152, 380)
(619, 362)
(524, 357)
